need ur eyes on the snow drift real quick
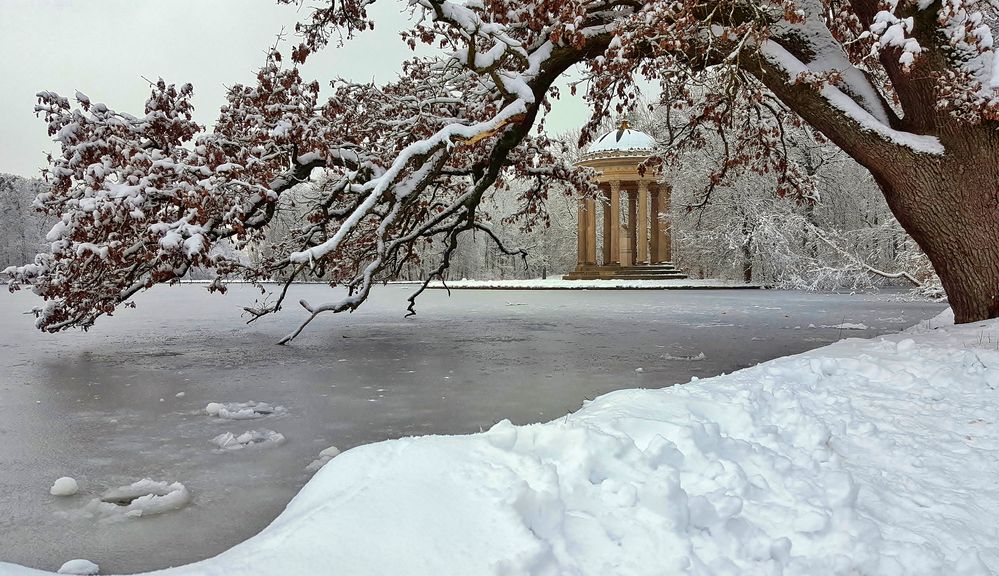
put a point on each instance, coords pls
(864, 457)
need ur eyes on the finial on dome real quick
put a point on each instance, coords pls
(625, 125)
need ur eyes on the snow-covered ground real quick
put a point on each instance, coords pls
(864, 457)
(129, 399)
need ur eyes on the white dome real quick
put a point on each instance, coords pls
(622, 139)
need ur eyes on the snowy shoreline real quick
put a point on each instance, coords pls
(865, 456)
(555, 283)
(561, 284)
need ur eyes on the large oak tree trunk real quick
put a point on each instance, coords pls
(948, 203)
(950, 207)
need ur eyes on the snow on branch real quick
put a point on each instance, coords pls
(797, 72)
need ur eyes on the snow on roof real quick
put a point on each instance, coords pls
(622, 139)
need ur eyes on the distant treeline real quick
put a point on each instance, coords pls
(846, 238)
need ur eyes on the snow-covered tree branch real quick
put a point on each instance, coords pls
(907, 88)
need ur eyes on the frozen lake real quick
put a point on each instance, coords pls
(126, 400)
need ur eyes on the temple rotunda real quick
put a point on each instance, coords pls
(634, 207)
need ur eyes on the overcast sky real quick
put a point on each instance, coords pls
(103, 48)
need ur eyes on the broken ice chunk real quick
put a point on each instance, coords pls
(259, 438)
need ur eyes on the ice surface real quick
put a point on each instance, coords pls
(250, 438)
(80, 567)
(89, 402)
(64, 486)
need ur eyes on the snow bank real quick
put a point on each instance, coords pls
(864, 457)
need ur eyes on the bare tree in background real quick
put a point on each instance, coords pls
(22, 228)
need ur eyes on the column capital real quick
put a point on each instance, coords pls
(615, 185)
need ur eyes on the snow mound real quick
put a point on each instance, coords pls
(242, 410)
(324, 457)
(847, 326)
(80, 567)
(143, 498)
(64, 486)
(254, 438)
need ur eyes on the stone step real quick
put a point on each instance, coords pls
(652, 277)
(626, 278)
(587, 276)
(659, 271)
(646, 271)
(640, 268)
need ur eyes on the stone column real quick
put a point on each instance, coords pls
(643, 222)
(606, 227)
(654, 237)
(591, 231)
(632, 227)
(581, 233)
(615, 218)
(665, 249)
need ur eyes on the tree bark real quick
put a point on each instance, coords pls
(950, 207)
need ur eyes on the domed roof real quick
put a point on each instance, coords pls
(623, 139)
